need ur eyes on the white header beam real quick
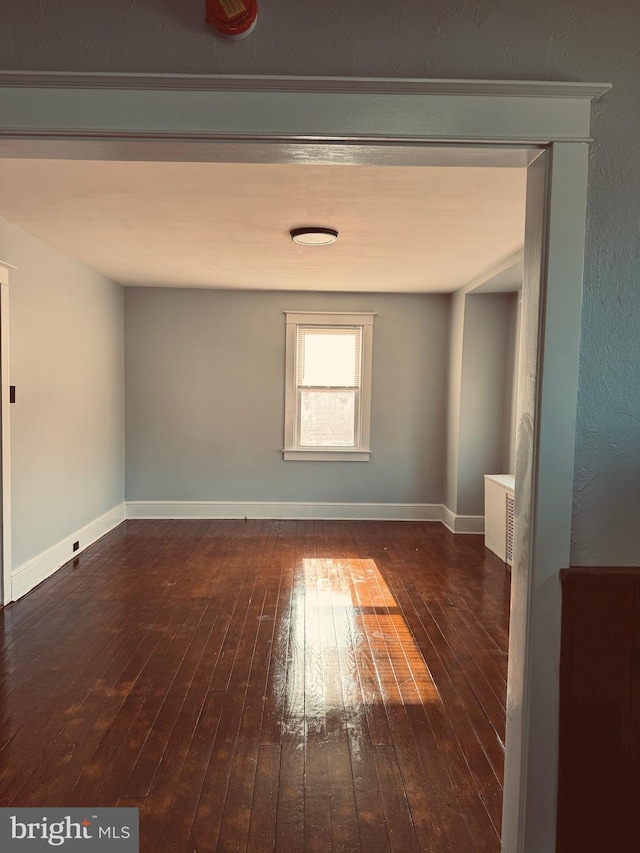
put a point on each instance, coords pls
(34, 103)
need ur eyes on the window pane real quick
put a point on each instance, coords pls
(329, 357)
(327, 418)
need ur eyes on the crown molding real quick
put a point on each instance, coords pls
(322, 85)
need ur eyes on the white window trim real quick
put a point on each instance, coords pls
(291, 450)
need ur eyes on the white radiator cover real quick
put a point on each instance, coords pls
(498, 515)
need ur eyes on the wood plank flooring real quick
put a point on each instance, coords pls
(266, 686)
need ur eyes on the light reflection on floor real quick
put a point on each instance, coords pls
(347, 628)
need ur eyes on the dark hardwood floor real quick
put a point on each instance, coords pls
(266, 686)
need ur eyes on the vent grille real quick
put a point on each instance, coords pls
(509, 526)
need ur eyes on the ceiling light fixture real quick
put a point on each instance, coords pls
(313, 236)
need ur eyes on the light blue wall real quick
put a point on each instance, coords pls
(480, 395)
(486, 365)
(67, 425)
(577, 40)
(205, 398)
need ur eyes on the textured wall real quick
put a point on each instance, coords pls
(504, 39)
(205, 398)
(67, 426)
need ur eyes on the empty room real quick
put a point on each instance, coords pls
(284, 645)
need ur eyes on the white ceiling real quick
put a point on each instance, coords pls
(402, 228)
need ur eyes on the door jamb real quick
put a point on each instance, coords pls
(5, 438)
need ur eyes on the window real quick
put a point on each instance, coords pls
(328, 386)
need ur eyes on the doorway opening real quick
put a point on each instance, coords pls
(556, 193)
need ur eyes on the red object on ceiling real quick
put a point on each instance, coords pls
(234, 18)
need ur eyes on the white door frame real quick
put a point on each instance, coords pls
(5, 439)
(330, 120)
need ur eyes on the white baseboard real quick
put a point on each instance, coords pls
(462, 523)
(284, 510)
(34, 571)
(320, 511)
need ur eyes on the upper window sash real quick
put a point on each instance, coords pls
(315, 372)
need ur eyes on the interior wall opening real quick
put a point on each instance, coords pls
(489, 328)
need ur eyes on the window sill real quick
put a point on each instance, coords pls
(328, 455)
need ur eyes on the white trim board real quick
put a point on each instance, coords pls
(210, 106)
(39, 568)
(462, 523)
(285, 510)
(5, 439)
(286, 84)
(297, 511)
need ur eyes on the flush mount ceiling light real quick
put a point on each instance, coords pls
(313, 236)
